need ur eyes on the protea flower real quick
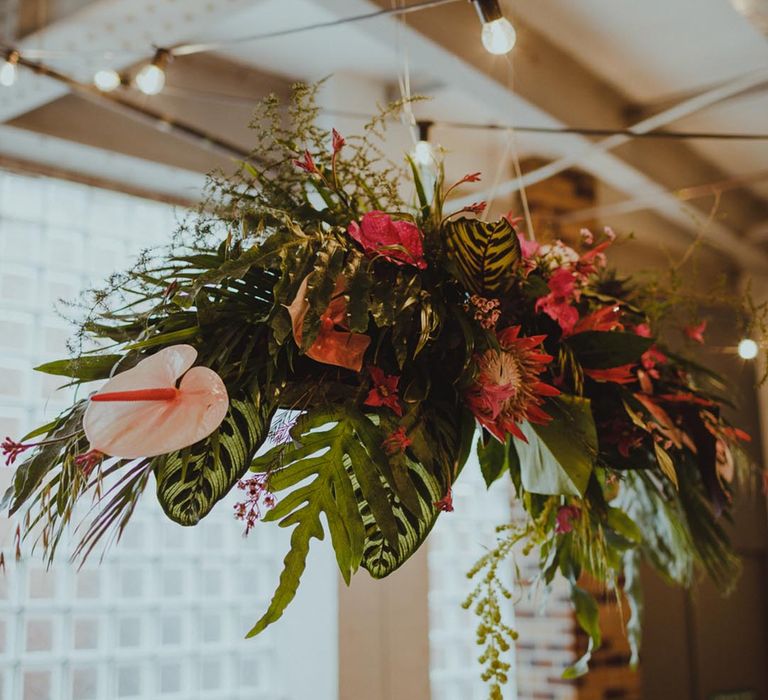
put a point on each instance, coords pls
(507, 390)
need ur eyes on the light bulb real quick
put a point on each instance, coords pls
(151, 79)
(424, 154)
(8, 72)
(748, 349)
(107, 80)
(499, 36)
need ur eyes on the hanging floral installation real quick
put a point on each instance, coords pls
(334, 354)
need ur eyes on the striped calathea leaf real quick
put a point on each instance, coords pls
(485, 255)
(378, 508)
(191, 481)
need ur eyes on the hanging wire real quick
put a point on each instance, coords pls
(214, 97)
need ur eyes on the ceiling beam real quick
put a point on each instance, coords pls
(133, 26)
(551, 83)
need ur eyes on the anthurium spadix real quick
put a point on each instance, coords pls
(142, 412)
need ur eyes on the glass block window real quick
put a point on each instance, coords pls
(458, 540)
(165, 614)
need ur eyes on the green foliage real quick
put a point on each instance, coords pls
(191, 481)
(496, 458)
(587, 615)
(87, 368)
(337, 467)
(486, 255)
(558, 458)
(603, 350)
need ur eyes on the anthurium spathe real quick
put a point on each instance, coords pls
(143, 413)
(335, 344)
(400, 242)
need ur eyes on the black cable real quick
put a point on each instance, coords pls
(223, 98)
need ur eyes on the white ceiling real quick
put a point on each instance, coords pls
(659, 50)
(652, 51)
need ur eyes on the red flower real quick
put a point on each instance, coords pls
(88, 461)
(400, 242)
(507, 389)
(565, 518)
(445, 504)
(12, 449)
(397, 442)
(643, 330)
(625, 374)
(696, 333)
(338, 141)
(557, 304)
(470, 177)
(605, 319)
(384, 391)
(334, 344)
(475, 208)
(306, 163)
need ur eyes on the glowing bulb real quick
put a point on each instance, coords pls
(748, 349)
(499, 36)
(423, 154)
(8, 72)
(151, 79)
(107, 80)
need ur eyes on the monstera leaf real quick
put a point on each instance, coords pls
(378, 512)
(191, 481)
(485, 255)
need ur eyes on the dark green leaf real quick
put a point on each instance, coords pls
(87, 368)
(191, 481)
(558, 458)
(494, 458)
(603, 350)
(587, 615)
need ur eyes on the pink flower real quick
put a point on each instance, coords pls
(397, 442)
(566, 515)
(445, 504)
(12, 449)
(88, 461)
(507, 389)
(384, 391)
(338, 141)
(334, 345)
(258, 496)
(475, 208)
(696, 333)
(528, 247)
(557, 304)
(400, 242)
(142, 413)
(306, 163)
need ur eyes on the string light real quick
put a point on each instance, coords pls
(107, 80)
(9, 69)
(748, 349)
(498, 35)
(151, 78)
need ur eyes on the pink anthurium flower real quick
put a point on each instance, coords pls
(143, 413)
